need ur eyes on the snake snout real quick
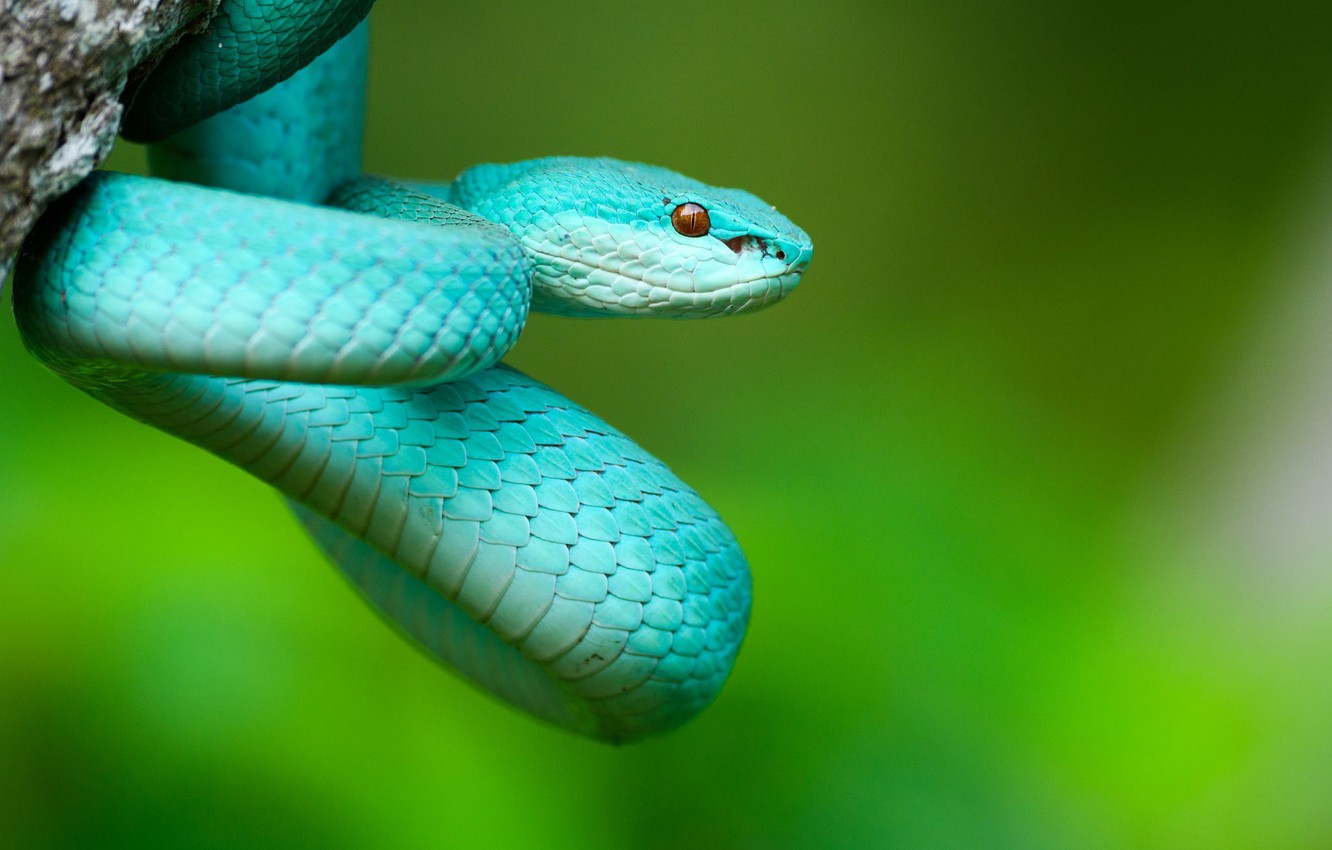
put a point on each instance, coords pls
(784, 250)
(798, 255)
(795, 253)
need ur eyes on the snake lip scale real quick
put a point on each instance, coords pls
(341, 339)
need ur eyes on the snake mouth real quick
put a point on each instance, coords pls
(613, 285)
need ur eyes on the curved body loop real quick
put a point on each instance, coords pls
(339, 337)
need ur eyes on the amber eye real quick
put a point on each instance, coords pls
(690, 220)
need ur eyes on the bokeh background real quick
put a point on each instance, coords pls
(1034, 470)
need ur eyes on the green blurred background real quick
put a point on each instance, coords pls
(1034, 471)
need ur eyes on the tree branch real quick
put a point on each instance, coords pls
(64, 67)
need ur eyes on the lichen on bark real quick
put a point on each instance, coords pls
(64, 68)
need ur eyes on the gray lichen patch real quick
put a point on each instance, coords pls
(64, 65)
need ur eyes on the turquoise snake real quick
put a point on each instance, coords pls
(349, 355)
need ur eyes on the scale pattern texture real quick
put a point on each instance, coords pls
(163, 275)
(348, 357)
(512, 533)
(247, 47)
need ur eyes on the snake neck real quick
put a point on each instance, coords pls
(298, 140)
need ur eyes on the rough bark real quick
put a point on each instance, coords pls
(64, 66)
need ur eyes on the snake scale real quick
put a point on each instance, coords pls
(340, 336)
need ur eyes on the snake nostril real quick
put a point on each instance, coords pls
(769, 247)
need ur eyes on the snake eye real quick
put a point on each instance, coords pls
(690, 220)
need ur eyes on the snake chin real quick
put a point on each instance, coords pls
(618, 285)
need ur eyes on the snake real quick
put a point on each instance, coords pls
(339, 336)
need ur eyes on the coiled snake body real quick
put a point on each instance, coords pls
(348, 355)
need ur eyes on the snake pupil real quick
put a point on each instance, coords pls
(691, 220)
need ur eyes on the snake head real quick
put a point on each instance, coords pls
(619, 238)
